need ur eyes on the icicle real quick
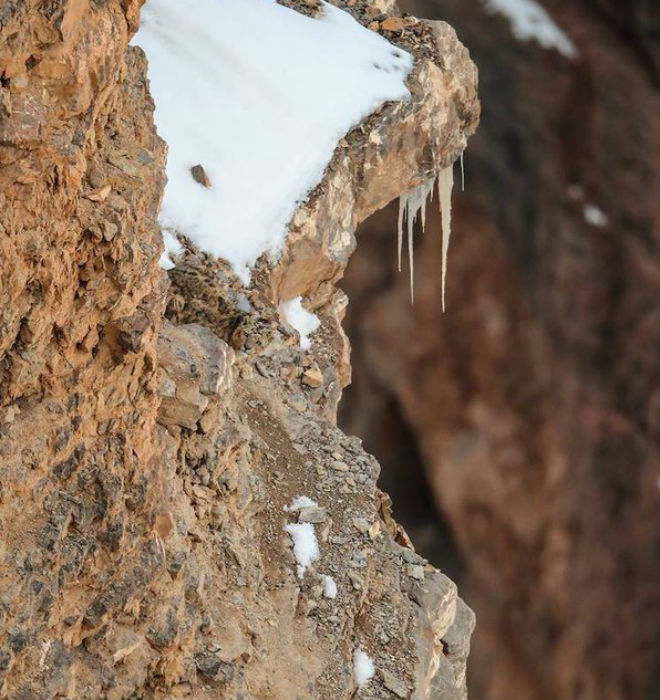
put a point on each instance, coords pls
(411, 263)
(423, 212)
(445, 186)
(428, 190)
(410, 205)
(399, 233)
(462, 174)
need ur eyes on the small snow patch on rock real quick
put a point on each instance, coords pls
(172, 247)
(300, 502)
(305, 545)
(299, 319)
(329, 587)
(363, 668)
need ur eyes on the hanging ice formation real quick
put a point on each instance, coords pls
(462, 174)
(445, 186)
(413, 203)
(410, 205)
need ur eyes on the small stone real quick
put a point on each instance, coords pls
(392, 24)
(109, 230)
(207, 422)
(324, 530)
(312, 514)
(211, 666)
(374, 26)
(313, 377)
(394, 684)
(199, 175)
(356, 581)
(411, 557)
(374, 530)
(95, 177)
(415, 571)
(361, 525)
(263, 369)
(340, 466)
(99, 195)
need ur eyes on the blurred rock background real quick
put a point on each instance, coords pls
(518, 432)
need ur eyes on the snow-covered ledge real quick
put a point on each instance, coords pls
(264, 163)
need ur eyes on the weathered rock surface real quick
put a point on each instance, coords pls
(145, 464)
(533, 401)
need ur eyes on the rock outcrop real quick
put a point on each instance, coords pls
(533, 401)
(153, 433)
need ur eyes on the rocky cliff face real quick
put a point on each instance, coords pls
(152, 431)
(533, 402)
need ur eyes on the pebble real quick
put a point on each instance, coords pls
(356, 582)
(392, 24)
(312, 514)
(361, 525)
(199, 175)
(312, 377)
(394, 684)
(415, 571)
(340, 466)
(411, 557)
(109, 230)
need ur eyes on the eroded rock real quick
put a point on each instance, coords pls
(145, 464)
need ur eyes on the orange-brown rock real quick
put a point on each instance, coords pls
(145, 464)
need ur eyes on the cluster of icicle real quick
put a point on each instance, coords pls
(412, 204)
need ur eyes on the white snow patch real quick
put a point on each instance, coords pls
(300, 502)
(530, 22)
(305, 545)
(363, 667)
(172, 247)
(258, 95)
(305, 322)
(329, 587)
(595, 216)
